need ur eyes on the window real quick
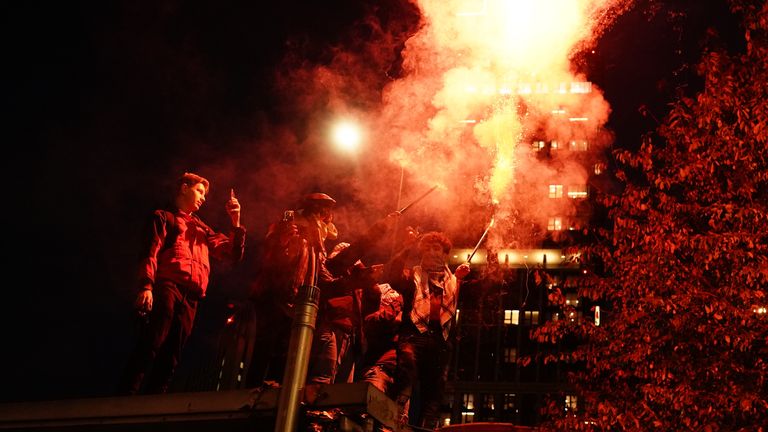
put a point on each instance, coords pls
(571, 299)
(555, 224)
(488, 402)
(555, 191)
(571, 403)
(577, 191)
(578, 145)
(510, 355)
(581, 87)
(467, 417)
(511, 317)
(468, 414)
(538, 145)
(509, 401)
(530, 318)
(555, 145)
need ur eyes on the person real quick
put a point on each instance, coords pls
(293, 247)
(173, 276)
(430, 294)
(381, 307)
(335, 321)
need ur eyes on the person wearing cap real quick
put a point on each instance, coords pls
(173, 279)
(430, 296)
(294, 246)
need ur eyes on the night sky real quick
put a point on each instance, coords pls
(108, 102)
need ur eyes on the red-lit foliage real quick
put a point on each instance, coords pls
(684, 266)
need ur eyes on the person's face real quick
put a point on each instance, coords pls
(325, 214)
(191, 198)
(432, 255)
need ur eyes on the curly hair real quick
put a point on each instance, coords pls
(436, 237)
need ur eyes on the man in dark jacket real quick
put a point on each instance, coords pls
(173, 278)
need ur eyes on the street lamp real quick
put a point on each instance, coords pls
(346, 136)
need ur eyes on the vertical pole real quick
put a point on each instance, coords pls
(299, 348)
(397, 222)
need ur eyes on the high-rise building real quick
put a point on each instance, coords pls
(508, 295)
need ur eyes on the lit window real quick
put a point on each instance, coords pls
(562, 88)
(555, 224)
(555, 191)
(538, 145)
(577, 191)
(581, 87)
(509, 401)
(571, 402)
(524, 88)
(574, 316)
(511, 317)
(469, 401)
(571, 299)
(555, 145)
(488, 402)
(531, 317)
(578, 145)
(510, 355)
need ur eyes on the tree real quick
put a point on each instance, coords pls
(683, 270)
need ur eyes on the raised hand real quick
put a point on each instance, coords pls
(233, 208)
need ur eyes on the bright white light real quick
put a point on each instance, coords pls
(346, 136)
